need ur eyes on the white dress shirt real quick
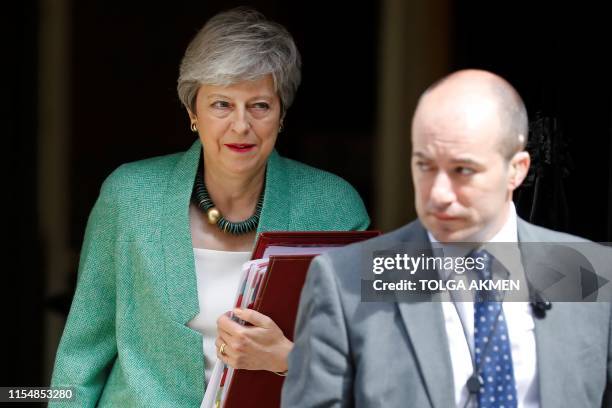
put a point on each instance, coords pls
(519, 320)
(218, 275)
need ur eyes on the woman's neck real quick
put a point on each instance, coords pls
(234, 196)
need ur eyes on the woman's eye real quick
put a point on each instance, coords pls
(220, 104)
(261, 105)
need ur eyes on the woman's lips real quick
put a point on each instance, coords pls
(240, 147)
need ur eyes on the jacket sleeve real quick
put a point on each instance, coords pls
(88, 348)
(320, 368)
(607, 397)
(360, 220)
(348, 208)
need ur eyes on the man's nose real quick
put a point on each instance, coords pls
(442, 192)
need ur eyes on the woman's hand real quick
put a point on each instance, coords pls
(261, 346)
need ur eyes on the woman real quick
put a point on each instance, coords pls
(162, 253)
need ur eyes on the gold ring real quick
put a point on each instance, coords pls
(222, 349)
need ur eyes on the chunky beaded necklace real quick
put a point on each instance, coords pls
(201, 198)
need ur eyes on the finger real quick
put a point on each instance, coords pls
(222, 356)
(221, 339)
(226, 324)
(218, 342)
(230, 331)
(225, 335)
(254, 317)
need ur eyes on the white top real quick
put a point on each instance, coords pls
(519, 319)
(218, 276)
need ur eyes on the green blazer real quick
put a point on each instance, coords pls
(126, 342)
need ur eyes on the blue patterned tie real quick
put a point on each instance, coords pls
(492, 346)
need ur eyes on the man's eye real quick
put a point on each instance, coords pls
(423, 166)
(464, 171)
(220, 104)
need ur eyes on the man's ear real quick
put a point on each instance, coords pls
(519, 167)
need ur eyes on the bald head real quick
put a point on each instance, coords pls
(467, 135)
(464, 98)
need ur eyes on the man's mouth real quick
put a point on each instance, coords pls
(445, 217)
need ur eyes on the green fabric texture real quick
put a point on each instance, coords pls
(126, 342)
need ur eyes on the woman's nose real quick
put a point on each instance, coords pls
(241, 124)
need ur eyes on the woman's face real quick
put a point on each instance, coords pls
(238, 125)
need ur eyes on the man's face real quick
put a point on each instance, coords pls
(462, 182)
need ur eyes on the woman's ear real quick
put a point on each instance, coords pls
(193, 121)
(192, 116)
(519, 167)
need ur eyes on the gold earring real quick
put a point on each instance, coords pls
(194, 127)
(280, 127)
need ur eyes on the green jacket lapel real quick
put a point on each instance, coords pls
(275, 213)
(176, 238)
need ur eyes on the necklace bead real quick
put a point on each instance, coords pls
(213, 215)
(202, 199)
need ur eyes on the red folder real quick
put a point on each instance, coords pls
(279, 299)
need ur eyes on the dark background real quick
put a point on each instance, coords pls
(123, 106)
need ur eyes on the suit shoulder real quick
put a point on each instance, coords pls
(312, 179)
(131, 197)
(134, 176)
(534, 233)
(354, 259)
(324, 193)
(412, 233)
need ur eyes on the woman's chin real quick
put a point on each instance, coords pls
(245, 167)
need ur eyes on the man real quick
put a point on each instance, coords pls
(468, 135)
